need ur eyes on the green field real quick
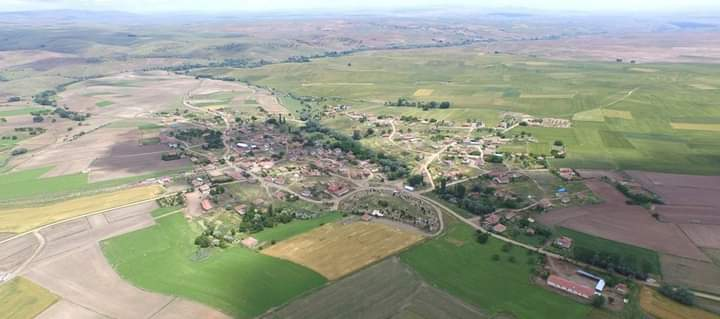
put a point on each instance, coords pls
(104, 103)
(23, 299)
(467, 271)
(614, 129)
(640, 255)
(238, 281)
(30, 184)
(296, 227)
(22, 111)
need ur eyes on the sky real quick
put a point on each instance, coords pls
(140, 6)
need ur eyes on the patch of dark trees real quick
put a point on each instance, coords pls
(403, 102)
(635, 198)
(626, 265)
(677, 293)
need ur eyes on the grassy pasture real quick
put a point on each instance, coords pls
(627, 252)
(296, 227)
(483, 86)
(21, 111)
(337, 249)
(17, 220)
(456, 263)
(237, 281)
(23, 299)
(29, 184)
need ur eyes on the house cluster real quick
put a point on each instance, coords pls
(494, 221)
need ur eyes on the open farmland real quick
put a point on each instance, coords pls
(22, 219)
(632, 106)
(337, 249)
(30, 185)
(661, 307)
(23, 299)
(452, 262)
(389, 290)
(615, 220)
(700, 275)
(237, 281)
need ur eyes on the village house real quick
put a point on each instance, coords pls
(499, 228)
(492, 219)
(566, 173)
(206, 205)
(564, 242)
(336, 189)
(249, 242)
(240, 209)
(570, 286)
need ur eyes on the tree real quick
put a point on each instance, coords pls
(356, 135)
(495, 257)
(511, 259)
(445, 105)
(558, 143)
(482, 237)
(416, 180)
(459, 190)
(677, 293)
(598, 301)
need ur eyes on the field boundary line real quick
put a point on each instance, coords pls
(18, 235)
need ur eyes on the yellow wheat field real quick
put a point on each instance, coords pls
(18, 220)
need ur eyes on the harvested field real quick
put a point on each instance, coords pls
(689, 199)
(707, 236)
(72, 266)
(270, 103)
(599, 115)
(423, 92)
(84, 277)
(67, 310)
(23, 219)
(699, 275)
(14, 252)
(696, 126)
(337, 249)
(660, 307)
(614, 220)
(14, 58)
(131, 159)
(23, 299)
(625, 115)
(386, 290)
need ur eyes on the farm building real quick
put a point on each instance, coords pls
(492, 219)
(570, 286)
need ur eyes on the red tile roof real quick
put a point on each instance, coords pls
(570, 286)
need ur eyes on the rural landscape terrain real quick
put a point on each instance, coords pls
(434, 163)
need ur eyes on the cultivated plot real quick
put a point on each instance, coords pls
(337, 249)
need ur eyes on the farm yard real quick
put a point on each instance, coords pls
(337, 249)
(237, 281)
(391, 290)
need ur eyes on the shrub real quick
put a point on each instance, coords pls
(677, 293)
